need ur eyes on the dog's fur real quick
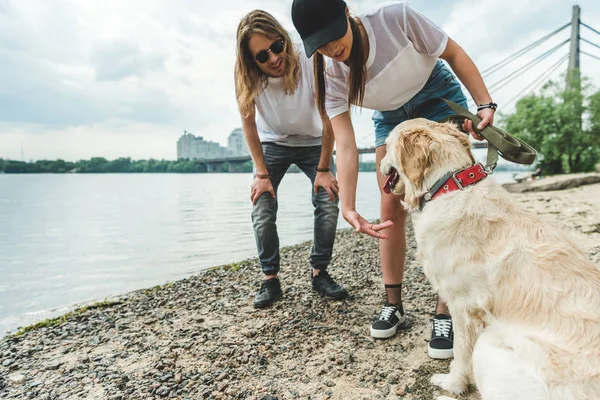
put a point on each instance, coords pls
(524, 298)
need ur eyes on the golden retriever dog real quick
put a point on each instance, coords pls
(524, 298)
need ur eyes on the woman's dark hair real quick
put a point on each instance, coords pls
(358, 71)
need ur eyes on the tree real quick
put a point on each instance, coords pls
(552, 123)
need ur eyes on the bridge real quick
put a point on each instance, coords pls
(235, 164)
(574, 41)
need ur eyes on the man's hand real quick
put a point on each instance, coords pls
(327, 181)
(487, 117)
(361, 225)
(260, 186)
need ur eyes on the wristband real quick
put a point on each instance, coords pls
(491, 105)
(263, 176)
(323, 169)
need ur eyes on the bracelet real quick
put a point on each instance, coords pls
(263, 176)
(491, 105)
(323, 169)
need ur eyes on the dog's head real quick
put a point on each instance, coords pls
(419, 152)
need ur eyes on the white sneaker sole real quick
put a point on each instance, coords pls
(388, 333)
(440, 354)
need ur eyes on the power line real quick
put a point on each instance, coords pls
(519, 53)
(591, 55)
(539, 80)
(590, 28)
(364, 137)
(587, 41)
(509, 78)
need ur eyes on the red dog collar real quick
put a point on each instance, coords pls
(454, 181)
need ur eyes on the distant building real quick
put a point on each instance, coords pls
(192, 147)
(237, 143)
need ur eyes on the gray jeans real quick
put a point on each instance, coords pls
(264, 214)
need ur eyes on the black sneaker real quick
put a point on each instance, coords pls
(390, 320)
(269, 293)
(442, 338)
(327, 287)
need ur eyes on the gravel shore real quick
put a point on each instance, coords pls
(200, 338)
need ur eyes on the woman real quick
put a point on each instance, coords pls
(387, 60)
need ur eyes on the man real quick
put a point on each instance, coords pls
(274, 77)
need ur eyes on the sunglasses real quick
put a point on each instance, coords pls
(263, 55)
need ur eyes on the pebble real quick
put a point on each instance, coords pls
(200, 338)
(16, 379)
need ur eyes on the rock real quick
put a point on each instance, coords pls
(558, 182)
(385, 390)
(393, 378)
(8, 362)
(16, 379)
(54, 365)
(400, 390)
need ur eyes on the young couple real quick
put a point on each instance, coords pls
(387, 60)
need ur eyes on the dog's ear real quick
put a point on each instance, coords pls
(415, 147)
(416, 151)
(452, 129)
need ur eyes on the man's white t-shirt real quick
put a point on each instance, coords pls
(404, 46)
(290, 120)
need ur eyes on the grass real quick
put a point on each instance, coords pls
(64, 318)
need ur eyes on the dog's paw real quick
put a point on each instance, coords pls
(450, 383)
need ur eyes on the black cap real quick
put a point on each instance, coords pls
(319, 22)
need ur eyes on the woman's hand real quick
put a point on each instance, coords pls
(487, 117)
(361, 225)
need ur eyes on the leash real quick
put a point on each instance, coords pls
(500, 143)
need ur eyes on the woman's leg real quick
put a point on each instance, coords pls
(392, 251)
(392, 254)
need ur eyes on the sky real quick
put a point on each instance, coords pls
(125, 78)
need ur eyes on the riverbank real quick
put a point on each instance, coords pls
(201, 338)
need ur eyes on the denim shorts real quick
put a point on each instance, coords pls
(441, 83)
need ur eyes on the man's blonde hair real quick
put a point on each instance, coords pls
(249, 79)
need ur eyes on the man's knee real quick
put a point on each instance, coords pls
(265, 210)
(323, 202)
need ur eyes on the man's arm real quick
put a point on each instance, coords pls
(325, 178)
(262, 182)
(253, 142)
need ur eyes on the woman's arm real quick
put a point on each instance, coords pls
(468, 74)
(346, 160)
(347, 166)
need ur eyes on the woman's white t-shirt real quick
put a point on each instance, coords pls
(404, 46)
(290, 120)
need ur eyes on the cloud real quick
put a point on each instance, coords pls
(70, 69)
(121, 59)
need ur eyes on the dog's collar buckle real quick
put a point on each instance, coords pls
(457, 180)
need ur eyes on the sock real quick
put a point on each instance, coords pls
(394, 296)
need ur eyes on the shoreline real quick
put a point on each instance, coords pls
(200, 337)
